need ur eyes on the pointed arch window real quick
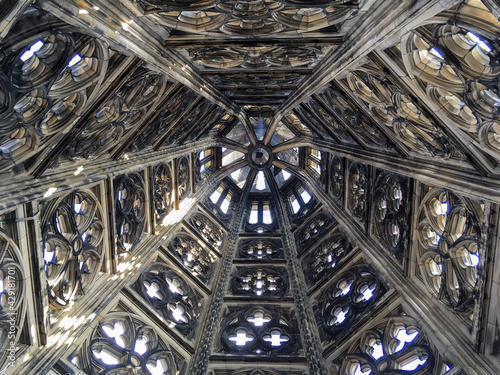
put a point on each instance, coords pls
(221, 201)
(300, 201)
(261, 217)
(204, 162)
(315, 160)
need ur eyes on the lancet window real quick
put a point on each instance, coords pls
(261, 217)
(259, 330)
(221, 201)
(301, 202)
(73, 234)
(170, 294)
(204, 162)
(130, 211)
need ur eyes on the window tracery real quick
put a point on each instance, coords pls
(183, 177)
(337, 171)
(122, 342)
(261, 330)
(130, 211)
(207, 229)
(73, 234)
(197, 259)
(450, 247)
(314, 228)
(256, 372)
(46, 88)
(350, 296)
(171, 296)
(357, 195)
(458, 69)
(390, 201)
(163, 191)
(398, 345)
(12, 298)
(260, 249)
(326, 256)
(260, 282)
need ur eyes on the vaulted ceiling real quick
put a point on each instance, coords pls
(261, 187)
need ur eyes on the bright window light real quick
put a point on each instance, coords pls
(286, 175)
(34, 48)
(267, 215)
(261, 181)
(306, 197)
(75, 60)
(295, 205)
(225, 204)
(215, 196)
(254, 216)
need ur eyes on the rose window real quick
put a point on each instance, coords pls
(171, 296)
(449, 243)
(208, 230)
(315, 227)
(122, 344)
(398, 346)
(73, 235)
(130, 211)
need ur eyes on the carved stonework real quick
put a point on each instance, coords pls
(450, 247)
(183, 177)
(260, 249)
(208, 229)
(325, 257)
(357, 190)
(171, 296)
(260, 282)
(73, 234)
(196, 258)
(130, 211)
(337, 178)
(397, 343)
(350, 296)
(125, 341)
(391, 212)
(163, 191)
(314, 228)
(260, 330)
